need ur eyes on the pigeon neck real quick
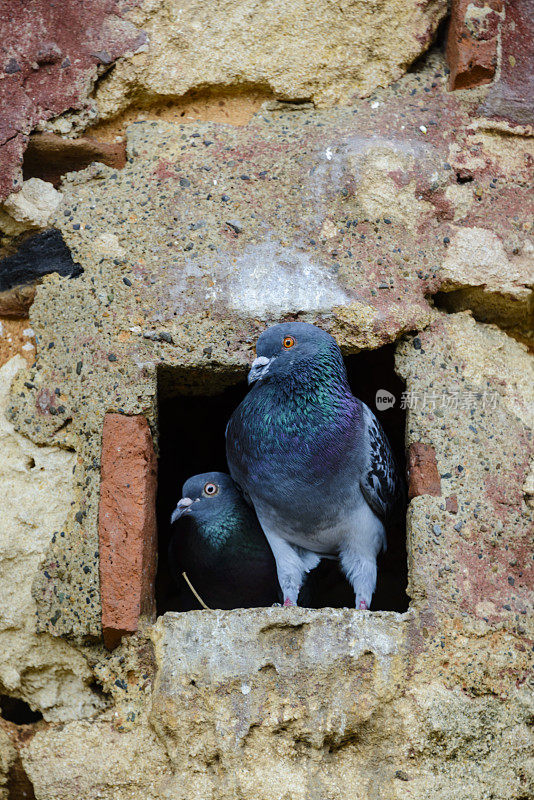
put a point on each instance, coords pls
(322, 377)
(217, 530)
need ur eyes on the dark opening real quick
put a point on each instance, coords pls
(464, 177)
(191, 429)
(37, 255)
(49, 156)
(18, 711)
(439, 42)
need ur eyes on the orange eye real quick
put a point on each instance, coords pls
(210, 489)
(288, 342)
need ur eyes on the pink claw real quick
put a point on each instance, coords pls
(363, 605)
(287, 603)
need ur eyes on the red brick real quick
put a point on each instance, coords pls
(511, 97)
(472, 42)
(51, 55)
(127, 525)
(423, 475)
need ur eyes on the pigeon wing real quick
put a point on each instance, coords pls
(235, 456)
(381, 483)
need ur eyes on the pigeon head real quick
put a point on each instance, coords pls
(206, 495)
(290, 348)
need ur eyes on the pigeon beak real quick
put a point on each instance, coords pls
(183, 507)
(259, 369)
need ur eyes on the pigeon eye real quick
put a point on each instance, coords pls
(210, 489)
(288, 342)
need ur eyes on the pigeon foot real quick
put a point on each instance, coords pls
(363, 606)
(288, 602)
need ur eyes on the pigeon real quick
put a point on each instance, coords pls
(217, 541)
(313, 460)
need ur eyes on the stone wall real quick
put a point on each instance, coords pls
(192, 174)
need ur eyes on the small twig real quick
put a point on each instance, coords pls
(200, 600)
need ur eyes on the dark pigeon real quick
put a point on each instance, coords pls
(313, 460)
(217, 541)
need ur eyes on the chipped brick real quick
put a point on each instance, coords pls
(127, 525)
(423, 476)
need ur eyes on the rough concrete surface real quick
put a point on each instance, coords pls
(336, 704)
(321, 51)
(210, 231)
(36, 487)
(266, 667)
(91, 759)
(472, 394)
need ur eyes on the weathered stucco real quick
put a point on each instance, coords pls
(340, 50)
(29, 208)
(211, 231)
(478, 274)
(92, 759)
(52, 55)
(36, 486)
(8, 755)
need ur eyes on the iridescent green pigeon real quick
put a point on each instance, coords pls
(313, 460)
(217, 541)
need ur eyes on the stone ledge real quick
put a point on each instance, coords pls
(342, 632)
(258, 664)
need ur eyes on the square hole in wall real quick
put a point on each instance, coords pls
(191, 440)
